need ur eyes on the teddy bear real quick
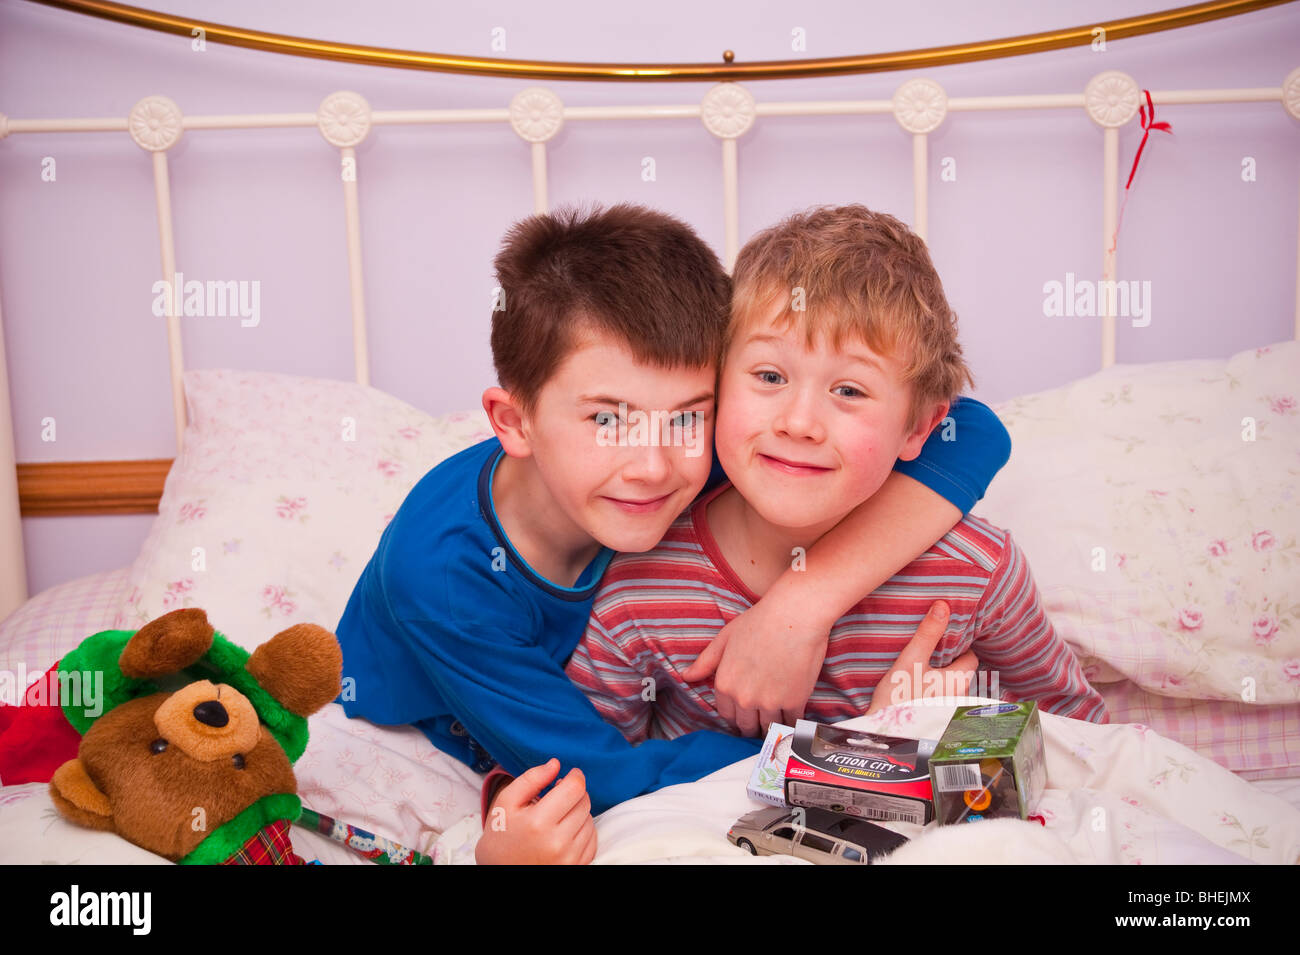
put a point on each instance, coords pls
(192, 755)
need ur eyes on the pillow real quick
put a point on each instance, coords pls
(278, 499)
(1159, 508)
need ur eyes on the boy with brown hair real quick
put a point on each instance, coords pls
(815, 404)
(481, 585)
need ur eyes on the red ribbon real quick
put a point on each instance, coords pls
(1148, 124)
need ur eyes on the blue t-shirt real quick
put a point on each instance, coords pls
(448, 628)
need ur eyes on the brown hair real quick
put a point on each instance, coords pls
(640, 276)
(863, 275)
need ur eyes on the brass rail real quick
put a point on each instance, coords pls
(115, 487)
(730, 70)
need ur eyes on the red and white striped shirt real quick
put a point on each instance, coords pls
(657, 611)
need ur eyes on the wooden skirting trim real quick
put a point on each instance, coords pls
(62, 488)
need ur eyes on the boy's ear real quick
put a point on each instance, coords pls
(916, 440)
(507, 421)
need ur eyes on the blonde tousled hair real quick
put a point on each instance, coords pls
(858, 275)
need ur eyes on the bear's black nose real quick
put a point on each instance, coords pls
(211, 713)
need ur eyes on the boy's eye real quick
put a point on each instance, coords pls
(769, 377)
(605, 418)
(687, 419)
(849, 391)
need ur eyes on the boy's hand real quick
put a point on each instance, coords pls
(767, 666)
(907, 679)
(554, 830)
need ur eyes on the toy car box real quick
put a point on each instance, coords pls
(767, 781)
(989, 763)
(859, 774)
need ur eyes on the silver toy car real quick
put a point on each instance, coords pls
(823, 837)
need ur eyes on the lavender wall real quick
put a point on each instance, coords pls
(78, 256)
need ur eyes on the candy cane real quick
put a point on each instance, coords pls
(384, 851)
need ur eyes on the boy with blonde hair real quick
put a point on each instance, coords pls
(841, 357)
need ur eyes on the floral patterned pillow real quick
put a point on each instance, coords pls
(279, 496)
(1159, 507)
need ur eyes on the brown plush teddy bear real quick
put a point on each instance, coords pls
(192, 759)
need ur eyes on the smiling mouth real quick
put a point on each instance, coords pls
(646, 506)
(797, 468)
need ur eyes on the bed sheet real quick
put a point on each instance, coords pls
(395, 783)
(1286, 789)
(1117, 794)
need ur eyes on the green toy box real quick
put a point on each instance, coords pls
(989, 763)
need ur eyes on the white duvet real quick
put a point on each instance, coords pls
(1116, 794)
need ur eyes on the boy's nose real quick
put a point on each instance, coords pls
(798, 418)
(648, 464)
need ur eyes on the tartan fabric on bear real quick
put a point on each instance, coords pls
(270, 845)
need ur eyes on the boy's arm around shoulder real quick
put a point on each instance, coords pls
(963, 454)
(768, 658)
(516, 702)
(1015, 638)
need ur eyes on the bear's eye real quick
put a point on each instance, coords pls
(158, 746)
(238, 760)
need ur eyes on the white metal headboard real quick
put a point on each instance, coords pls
(728, 111)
